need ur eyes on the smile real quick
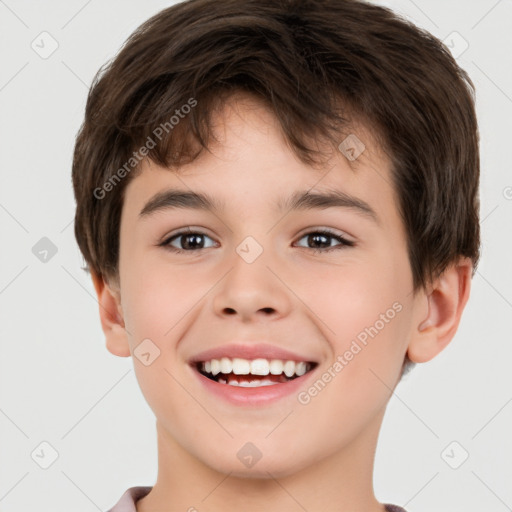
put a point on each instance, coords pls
(253, 373)
(253, 382)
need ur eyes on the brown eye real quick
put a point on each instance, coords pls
(187, 241)
(314, 239)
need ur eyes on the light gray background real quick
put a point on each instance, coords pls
(59, 384)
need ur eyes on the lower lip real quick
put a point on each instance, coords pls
(263, 395)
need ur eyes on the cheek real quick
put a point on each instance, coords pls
(364, 311)
(350, 297)
(157, 295)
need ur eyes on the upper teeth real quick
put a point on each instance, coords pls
(255, 366)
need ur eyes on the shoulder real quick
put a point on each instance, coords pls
(127, 501)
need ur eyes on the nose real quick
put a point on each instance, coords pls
(251, 292)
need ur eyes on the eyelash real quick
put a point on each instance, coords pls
(343, 241)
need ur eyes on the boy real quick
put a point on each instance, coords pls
(278, 205)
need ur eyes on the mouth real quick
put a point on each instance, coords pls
(253, 373)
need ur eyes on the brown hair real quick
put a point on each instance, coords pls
(303, 58)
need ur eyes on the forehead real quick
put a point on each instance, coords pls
(249, 160)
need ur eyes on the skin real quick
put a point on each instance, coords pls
(317, 456)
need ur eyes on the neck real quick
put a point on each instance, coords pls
(341, 482)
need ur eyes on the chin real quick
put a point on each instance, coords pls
(277, 465)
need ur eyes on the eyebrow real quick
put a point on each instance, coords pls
(300, 200)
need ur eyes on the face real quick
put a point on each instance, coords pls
(326, 282)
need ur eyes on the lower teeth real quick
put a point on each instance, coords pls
(247, 384)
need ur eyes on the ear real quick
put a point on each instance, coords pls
(111, 315)
(446, 299)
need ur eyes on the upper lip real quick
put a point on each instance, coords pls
(252, 351)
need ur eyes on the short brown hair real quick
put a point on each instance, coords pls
(302, 58)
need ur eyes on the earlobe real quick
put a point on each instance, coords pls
(446, 302)
(111, 316)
